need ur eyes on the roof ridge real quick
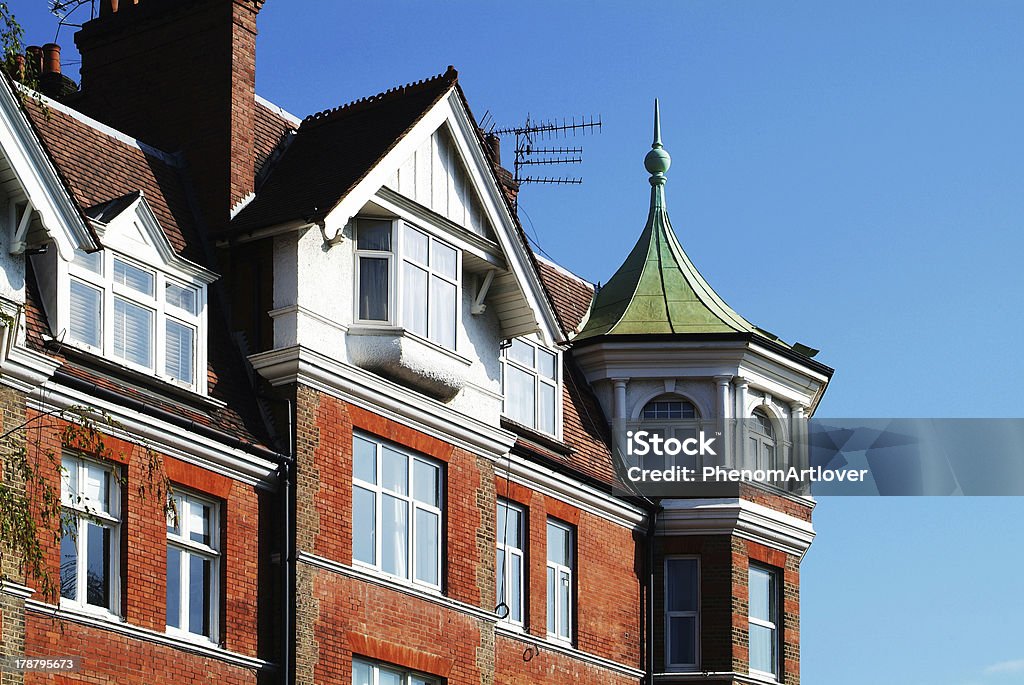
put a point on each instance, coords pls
(450, 75)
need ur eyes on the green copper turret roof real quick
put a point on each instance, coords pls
(657, 290)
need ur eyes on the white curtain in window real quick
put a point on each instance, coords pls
(395, 536)
(414, 300)
(86, 314)
(133, 332)
(519, 396)
(442, 312)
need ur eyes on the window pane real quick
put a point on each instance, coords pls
(515, 588)
(199, 579)
(682, 638)
(509, 525)
(521, 352)
(86, 311)
(97, 582)
(546, 409)
(362, 673)
(132, 276)
(96, 488)
(180, 344)
(133, 332)
(681, 585)
(551, 600)
(444, 260)
(373, 234)
(564, 593)
(199, 522)
(394, 548)
(93, 261)
(425, 482)
(69, 481)
(519, 396)
(364, 460)
(364, 525)
(373, 288)
(173, 587)
(181, 297)
(428, 532)
(416, 246)
(69, 560)
(762, 648)
(558, 544)
(386, 676)
(414, 300)
(546, 363)
(760, 594)
(443, 304)
(395, 471)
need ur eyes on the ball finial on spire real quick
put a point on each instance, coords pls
(657, 160)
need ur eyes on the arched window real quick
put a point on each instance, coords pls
(670, 416)
(667, 408)
(762, 441)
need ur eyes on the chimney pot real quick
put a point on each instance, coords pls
(34, 60)
(494, 142)
(51, 58)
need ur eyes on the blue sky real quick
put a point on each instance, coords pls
(846, 174)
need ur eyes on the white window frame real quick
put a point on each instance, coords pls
(774, 609)
(506, 573)
(538, 380)
(669, 615)
(413, 504)
(759, 441)
(188, 547)
(407, 677)
(679, 428)
(162, 312)
(554, 605)
(77, 508)
(396, 257)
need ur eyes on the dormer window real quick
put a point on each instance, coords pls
(407, 277)
(135, 315)
(531, 383)
(136, 302)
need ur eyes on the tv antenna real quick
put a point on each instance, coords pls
(63, 9)
(527, 153)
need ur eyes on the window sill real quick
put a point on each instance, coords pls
(71, 607)
(185, 636)
(408, 359)
(398, 580)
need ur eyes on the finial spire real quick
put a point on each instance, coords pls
(657, 160)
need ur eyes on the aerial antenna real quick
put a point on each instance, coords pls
(63, 9)
(528, 154)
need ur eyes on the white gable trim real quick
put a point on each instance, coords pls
(39, 179)
(521, 277)
(148, 222)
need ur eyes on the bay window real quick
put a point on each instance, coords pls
(193, 556)
(396, 511)
(90, 535)
(407, 277)
(530, 374)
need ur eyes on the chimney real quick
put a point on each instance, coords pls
(51, 81)
(179, 75)
(51, 58)
(494, 143)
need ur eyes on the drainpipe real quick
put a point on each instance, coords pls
(652, 524)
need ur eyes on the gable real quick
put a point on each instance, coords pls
(435, 176)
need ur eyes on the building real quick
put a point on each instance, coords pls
(386, 424)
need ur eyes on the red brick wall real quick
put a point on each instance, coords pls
(518, 663)
(109, 656)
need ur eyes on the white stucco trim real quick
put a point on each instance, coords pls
(15, 590)
(115, 625)
(25, 370)
(563, 488)
(298, 364)
(164, 438)
(39, 178)
(739, 517)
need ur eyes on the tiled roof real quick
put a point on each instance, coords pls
(570, 294)
(100, 166)
(333, 150)
(270, 127)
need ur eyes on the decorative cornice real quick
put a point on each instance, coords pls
(570, 491)
(15, 590)
(299, 364)
(139, 633)
(25, 370)
(739, 517)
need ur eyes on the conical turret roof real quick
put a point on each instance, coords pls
(657, 290)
